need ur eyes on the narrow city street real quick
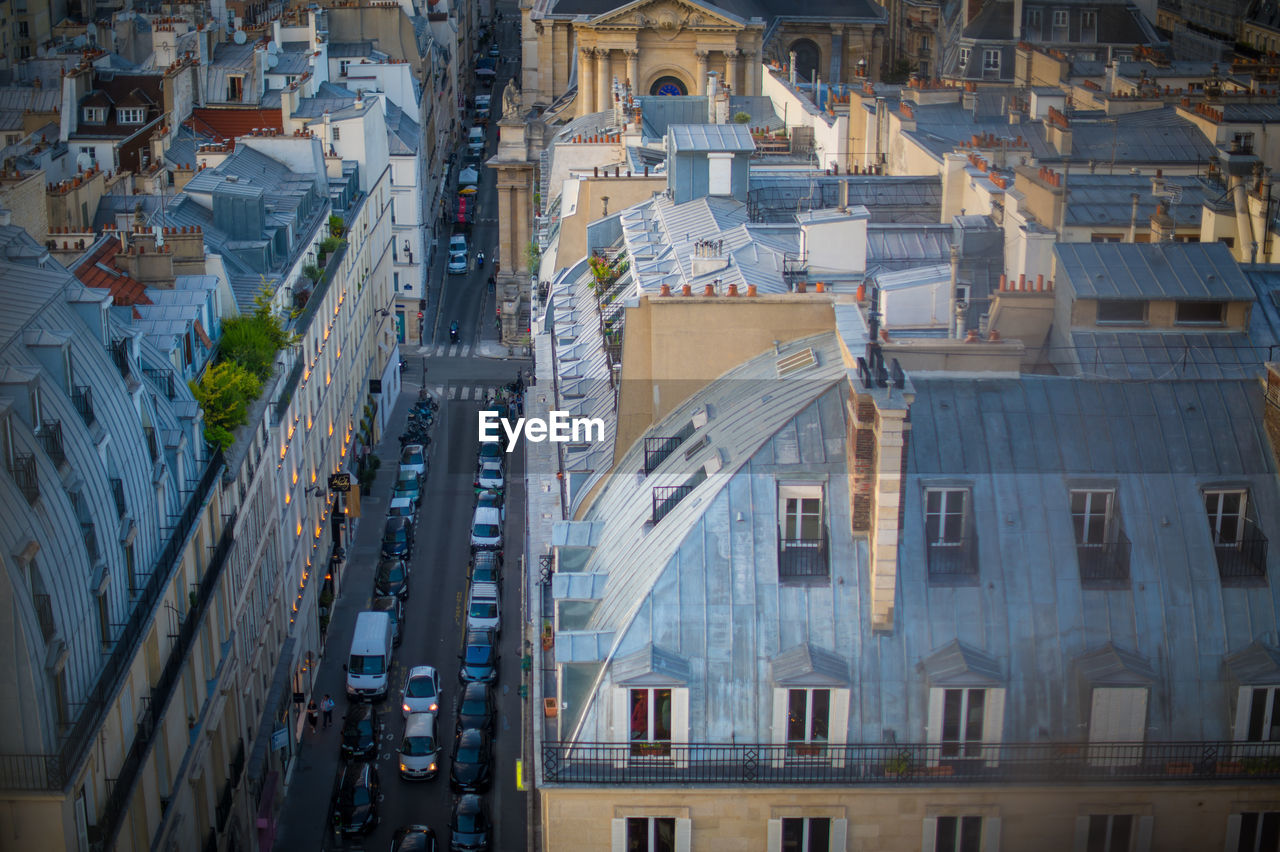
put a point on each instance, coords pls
(459, 376)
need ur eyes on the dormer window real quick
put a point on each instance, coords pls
(130, 115)
(95, 115)
(1200, 313)
(1122, 311)
(235, 88)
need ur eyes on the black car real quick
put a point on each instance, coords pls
(414, 838)
(479, 657)
(469, 826)
(392, 577)
(391, 605)
(397, 538)
(472, 759)
(355, 806)
(476, 708)
(361, 730)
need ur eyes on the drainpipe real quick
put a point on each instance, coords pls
(1260, 213)
(1244, 229)
(1133, 221)
(957, 323)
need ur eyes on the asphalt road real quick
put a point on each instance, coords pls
(435, 610)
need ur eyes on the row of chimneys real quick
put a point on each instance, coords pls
(595, 171)
(1025, 285)
(598, 137)
(710, 289)
(1049, 176)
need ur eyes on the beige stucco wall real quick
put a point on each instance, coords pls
(622, 192)
(890, 818)
(1160, 314)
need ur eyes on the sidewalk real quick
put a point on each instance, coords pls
(304, 817)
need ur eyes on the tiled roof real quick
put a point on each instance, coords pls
(98, 268)
(228, 123)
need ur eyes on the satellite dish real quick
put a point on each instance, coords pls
(272, 60)
(240, 37)
(273, 48)
(83, 161)
(79, 41)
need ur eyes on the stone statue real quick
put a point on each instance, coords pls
(511, 100)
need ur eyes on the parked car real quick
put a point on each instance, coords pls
(492, 450)
(421, 692)
(469, 826)
(457, 242)
(489, 476)
(494, 50)
(476, 708)
(486, 567)
(459, 262)
(397, 538)
(392, 577)
(413, 457)
(361, 730)
(355, 806)
(402, 507)
(483, 608)
(479, 657)
(492, 500)
(486, 528)
(395, 608)
(420, 747)
(414, 838)
(407, 485)
(470, 771)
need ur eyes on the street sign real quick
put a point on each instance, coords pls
(340, 482)
(279, 738)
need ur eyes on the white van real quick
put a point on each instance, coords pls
(420, 748)
(482, 106)
(483, 609)
(486, 528)
(475, 140)
(370, 659)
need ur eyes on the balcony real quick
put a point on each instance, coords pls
(50, 436)
(665, 498)
(162, 379)
(954, 561)
(82, 397)
(803, 558)
(1109, 764)
(23, 469)
(1243, 560)
(657, 450)
(120, 355)
(1102, 564)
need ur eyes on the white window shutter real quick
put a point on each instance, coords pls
(680, 727)
(1142, 843)
(839, 835)
(991, 830)
(684, 829)
(933, 730)
(838, 725)
(1233, 833)
(779, 732)
(993, 724)
(1244, 700)
(621, 718)
(929, 843)
(618, 831)
(775, 836)
(1082, 834)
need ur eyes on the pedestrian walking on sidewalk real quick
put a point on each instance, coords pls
(312, 716)
(327, 706)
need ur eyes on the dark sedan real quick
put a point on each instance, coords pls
(355, 808)
(472, 762)
(479, 657)
(469, 827)
(392, 578)
(397, 538)
(414, 838)
(361, 729)
(476, 709)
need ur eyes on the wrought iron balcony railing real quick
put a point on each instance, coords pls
(82, 398)
(665, 498)
(1245, 558)
(23, 468)
(871, 764)
(1104, 563)
(657, 450)
(800, 558)
(956, 560)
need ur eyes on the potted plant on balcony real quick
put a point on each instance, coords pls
(899, 765)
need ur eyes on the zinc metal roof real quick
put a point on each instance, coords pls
(710, 137)
(1184, 271)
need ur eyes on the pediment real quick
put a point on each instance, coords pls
(668, 17)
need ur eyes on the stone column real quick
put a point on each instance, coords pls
(700, 85)
(835, 73)
(586, 80)
(753, 73)
(633, 70)
(604, 75)
(731, 70)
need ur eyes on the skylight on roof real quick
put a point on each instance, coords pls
(797, 361)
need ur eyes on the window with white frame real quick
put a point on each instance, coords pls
(1117, 725)
(650, 715)
(343, 64)
(808, 715)
(336, 134)
(1109, 833)
(1258, 714)
(810, 721)
(962, 717)
(651, 719)
(944, 515)
(1091, 516)
(808, 834)
(1226, 512)
(95, 114)
(130, 115)
(959, 833)
(1060, 17)
(235, 87)
(1254, 831)
(991, 60)
(1088, 19)
(651, 834)
(1033, 20)
(964, 57)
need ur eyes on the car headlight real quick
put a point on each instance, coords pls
(404, 707)
(431, 768)
(434, 707)
(404, 768)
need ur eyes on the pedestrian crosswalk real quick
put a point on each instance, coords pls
(447, 350)
(465, 392)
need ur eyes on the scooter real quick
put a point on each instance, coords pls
(453, 332)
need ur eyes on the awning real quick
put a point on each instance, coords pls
(204, 338)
